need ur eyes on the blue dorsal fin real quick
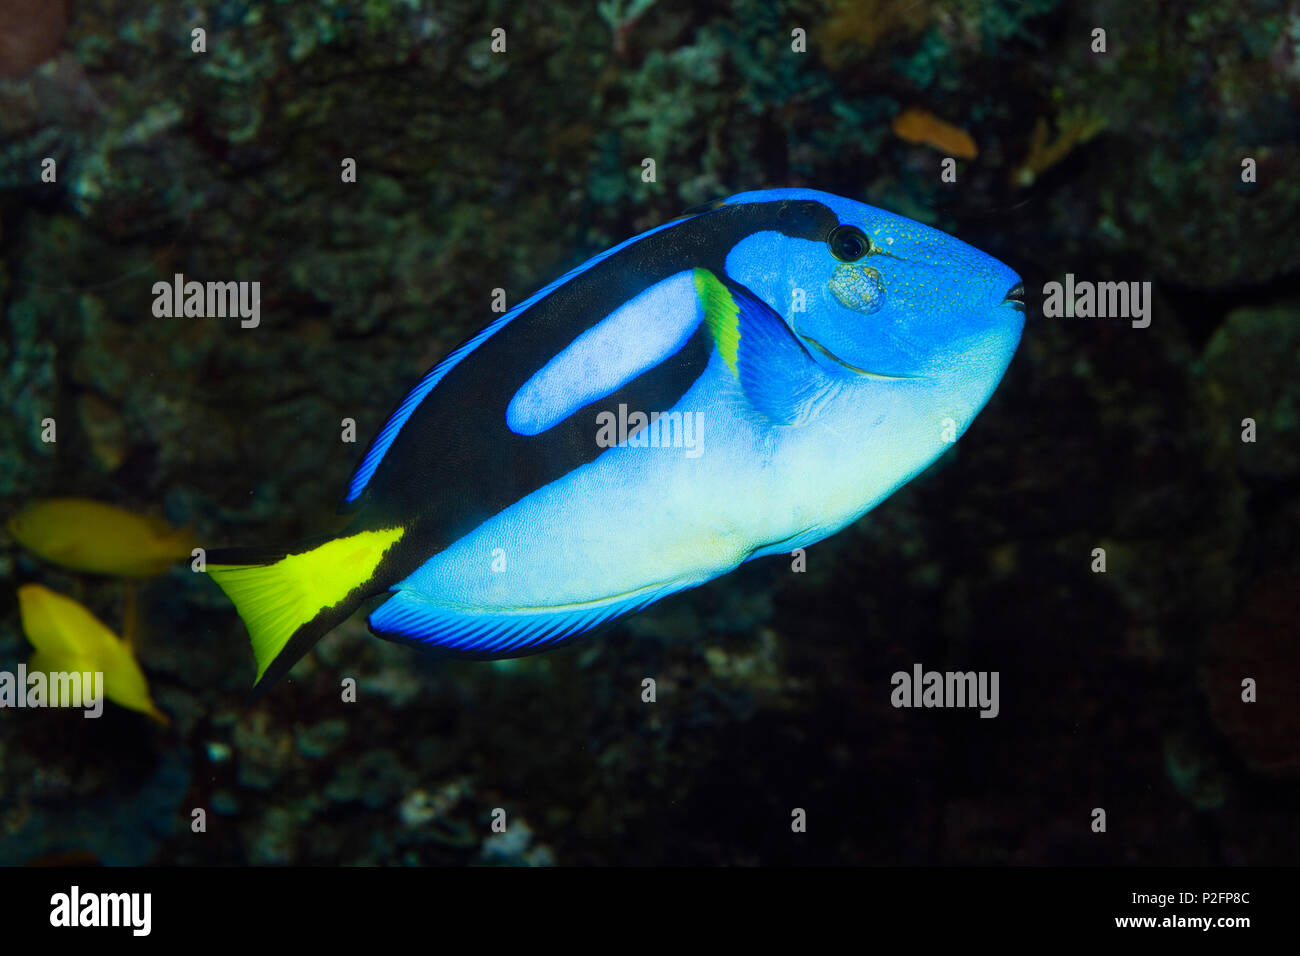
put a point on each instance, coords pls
(775, 371)
(408, 619)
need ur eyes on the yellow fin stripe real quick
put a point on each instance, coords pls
(276, 599)
(722, 315)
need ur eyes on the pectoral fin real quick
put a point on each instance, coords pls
(778, 376)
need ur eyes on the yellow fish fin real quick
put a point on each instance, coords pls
(288, 603)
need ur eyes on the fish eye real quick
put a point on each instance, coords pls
(848, 243)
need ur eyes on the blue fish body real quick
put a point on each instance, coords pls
(742, 381)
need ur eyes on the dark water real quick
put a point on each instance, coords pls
(1119, 690)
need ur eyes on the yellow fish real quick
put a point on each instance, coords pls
(91, 536)
(67, 637)
(918, 126)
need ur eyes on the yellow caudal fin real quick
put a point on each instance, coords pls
(288, 601)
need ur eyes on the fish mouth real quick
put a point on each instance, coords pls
(853, 368)
(1015, 297)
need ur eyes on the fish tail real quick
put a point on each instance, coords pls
(289, 599)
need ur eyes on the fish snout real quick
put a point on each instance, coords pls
(1015, 297)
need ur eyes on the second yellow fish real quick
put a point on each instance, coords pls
(86, 535)
(67, 637)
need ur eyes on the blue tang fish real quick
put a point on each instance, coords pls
(742, 381)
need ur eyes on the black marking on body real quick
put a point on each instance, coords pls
(455, 463)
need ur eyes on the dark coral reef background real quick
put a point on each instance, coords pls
(477, 170)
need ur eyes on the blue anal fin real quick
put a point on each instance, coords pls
(409, 619)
